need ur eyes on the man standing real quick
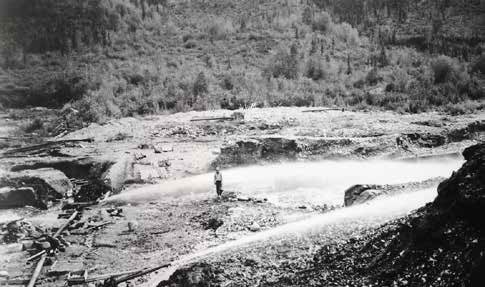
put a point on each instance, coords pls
(218, 182)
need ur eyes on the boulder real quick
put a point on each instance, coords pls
(48, 183)
(361, 193)
(17, 197)
(255, 227)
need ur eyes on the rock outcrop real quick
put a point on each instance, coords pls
(463, 194)
(361, 193)
(18, 197)
(278, 148)
(48, 184)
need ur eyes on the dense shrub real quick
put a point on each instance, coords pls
(373, 77)
(315, 69)
(399, 81)
(200, 86)
(282, 64)
(190, 44)
(227, 82)
(219, 28)
(34, 125)
(462, 108)
(187, 37)
(61, 88)
(346, 33)
(97, 107)
(479, 65)
(322, 22)
(445, 70)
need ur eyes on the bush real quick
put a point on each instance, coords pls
(34, 125)
(190, 44)
(462, 108)
(97, 107)
(60, 89)
(346, 33)
(322, 22)
(315, 69)
(282, 64)
(479, 65)
(200, 86)
(219, 28)
(399, 81)
(227, 82)
(373, 77)
(187, 37)
(445, 70)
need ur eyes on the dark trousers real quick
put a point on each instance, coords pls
(219, 187)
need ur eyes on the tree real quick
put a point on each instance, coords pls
(200, 86)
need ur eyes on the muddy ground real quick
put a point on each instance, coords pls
(145, 151)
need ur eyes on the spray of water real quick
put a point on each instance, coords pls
(295, 183)
(370, 214)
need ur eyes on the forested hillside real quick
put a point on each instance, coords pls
(113, 58)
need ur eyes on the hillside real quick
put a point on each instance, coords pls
(116, 58)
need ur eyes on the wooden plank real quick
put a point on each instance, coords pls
(37, 270)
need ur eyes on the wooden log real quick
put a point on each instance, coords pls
(212, 119)
(14, 282)
(322, 110)
(140, 273)
(37, 270)
(42, 146)
(80, 281)
(66, 224)
(36, 255)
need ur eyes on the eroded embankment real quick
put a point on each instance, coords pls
(279, 148)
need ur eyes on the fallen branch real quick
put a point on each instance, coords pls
(137, 274)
